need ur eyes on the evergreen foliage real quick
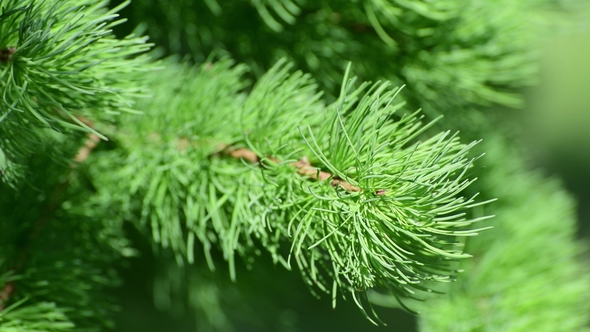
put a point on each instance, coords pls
(60, 64)
(376, 209)
(56, 255)
(262, 142)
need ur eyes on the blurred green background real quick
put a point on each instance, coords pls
(556, 122)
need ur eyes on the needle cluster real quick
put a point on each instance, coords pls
(59, 62)
(354, 193)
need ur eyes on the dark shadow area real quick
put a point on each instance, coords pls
(284, 304)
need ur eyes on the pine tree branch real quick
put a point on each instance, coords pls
(54, 202)
(386, 209)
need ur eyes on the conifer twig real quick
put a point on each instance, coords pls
(303, 167)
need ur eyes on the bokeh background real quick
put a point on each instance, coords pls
(556, 121)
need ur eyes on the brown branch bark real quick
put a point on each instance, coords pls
(89, 145)
(303, 167)
(5, 294)
(6, 54)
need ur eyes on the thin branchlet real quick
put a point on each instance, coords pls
(302, 166)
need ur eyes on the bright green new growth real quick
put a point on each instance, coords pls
(361, 201)
(60, 68)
